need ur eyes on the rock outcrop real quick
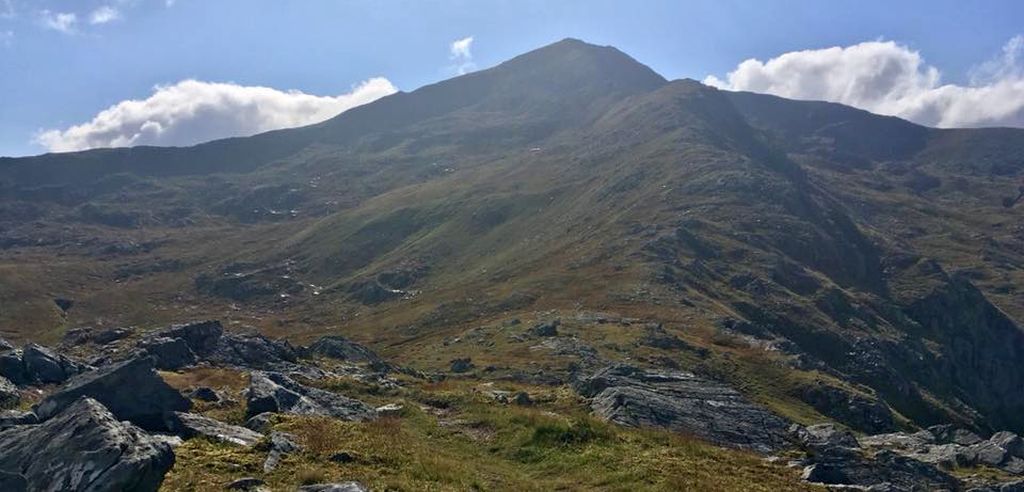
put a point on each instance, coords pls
(85, 448)
(948, 448)
(131, 390)
(9, 394)
(168, 353)
(189, 425)
(341, 348)
(277, 393)
(682, 402)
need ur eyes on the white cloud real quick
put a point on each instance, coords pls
(64, 22)
(104, 14)
(461, 54)
(888, 78)
(193, 111)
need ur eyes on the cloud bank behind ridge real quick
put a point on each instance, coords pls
(193, 111)
(888, 78)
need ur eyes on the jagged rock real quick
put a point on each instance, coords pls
(204, 393)
(260, 422)
(132, 390)
(823, 437)
(335, 487)
(245, 483)
(1009, 441)
(200, 336)
(11, 418)
(13, 368)
(885, 470)
(5, 345)
(45, 366)
(337, 347)
(546, 329)
(169, 353)
(949, 433)
(13, 482)
(390, 410)
(916, 442)
(9, 394)
(858, 412)
(252, 351)
(682, 402)
(275, 392)
(189, 425)
(84, 447)
(988, 453)
(104, 337)
(281, 444)
(464, 364)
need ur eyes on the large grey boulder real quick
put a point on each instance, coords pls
(884, 470)
(341, 348)
(275, 392)
(132, 390)
(168, 353)
(5, 346)
(42, 365)
(189, 425)
(252, 350)
(281, 444)
(200, 336)
(682, 402)
(9, 394)
(12, 367)
(85, 448)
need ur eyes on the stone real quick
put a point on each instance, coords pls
(260, 422)
(63, 303)
(390, 410)
(546, 329)
(343, 457)
(9, 394)
(131, 390)
(335, 487)
(168, 354)
(47, 367)
(948, 433)
(682, 402)
(281, 444)
(275, 392)
(988, 453)
(200, 336)
(340, 348)
(11, 418)
(823, 437)
(206, 394)
(253, 351)
(5, 346)
(189, 425)
(245, 483)
(885, 470)
(1009, 441)
(111, 335)
(461, 365)
(85, 447)
(859, 412)
(13, 368)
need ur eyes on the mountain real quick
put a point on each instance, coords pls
(828, 263)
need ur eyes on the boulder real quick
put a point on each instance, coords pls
(85, 448)
(857, 411)
(9, 394)
(884, 470)
(281, 444)
(1009, 441)
(206, 394)
(335, 487)
(200, 336)
(253, 351)
(823, 437)
(13, 368)
(168, 353)
(948, 433)
(5, 346)
(275, 392)
(111, 335)
(260, 422)
(460, 365)
(47, 367)
(11, 418)
(682, 402)
(132, 390)
(189, 425)
(337, 347)
(546, 329)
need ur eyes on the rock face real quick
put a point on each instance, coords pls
(337, 347)
(131, 390)
(682, 402)
(275, 392)
(189, 425)
(85, 448)
(200, 336)
(11, 418)
(859, 412)
(253, 351)
(948, 447)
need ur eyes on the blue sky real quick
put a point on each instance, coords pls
(63, 62)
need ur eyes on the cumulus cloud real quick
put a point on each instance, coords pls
(889, 78)
(64, 22)
(104, 14)
(461, 55)
(193, 111)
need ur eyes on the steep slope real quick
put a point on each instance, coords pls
(828, 262)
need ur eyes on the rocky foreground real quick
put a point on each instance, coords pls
(113, 423)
